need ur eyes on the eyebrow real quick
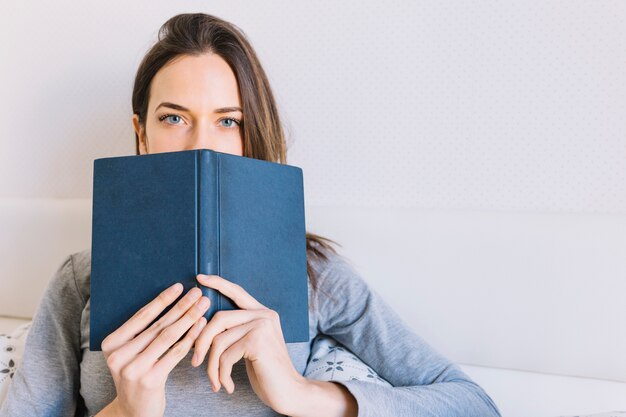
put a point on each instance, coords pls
(182, 108)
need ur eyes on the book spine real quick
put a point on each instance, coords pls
(208, 224)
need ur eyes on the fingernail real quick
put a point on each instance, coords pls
(175, 288)
(194, 360)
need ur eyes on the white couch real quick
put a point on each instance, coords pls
(530, 305)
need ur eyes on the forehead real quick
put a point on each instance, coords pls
(200, 82)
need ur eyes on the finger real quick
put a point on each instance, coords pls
(222, 342)
(231, 356)
(141, 318)
(172, 333)
(165, 365)
(231, 290)
(221, 321)
(131, 349)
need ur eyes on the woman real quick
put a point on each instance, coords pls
(202, 86)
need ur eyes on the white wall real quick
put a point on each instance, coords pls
(441, 104)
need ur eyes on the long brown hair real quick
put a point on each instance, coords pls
(263, 135)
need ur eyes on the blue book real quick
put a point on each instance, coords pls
(163, 218)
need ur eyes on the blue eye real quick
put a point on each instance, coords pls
(231, 120)
(166, 116)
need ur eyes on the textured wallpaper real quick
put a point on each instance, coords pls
(441, 104)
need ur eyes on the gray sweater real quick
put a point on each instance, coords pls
(60, 376)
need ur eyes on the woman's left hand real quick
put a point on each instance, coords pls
(253, 333)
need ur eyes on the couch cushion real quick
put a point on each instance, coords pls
(541, 292)
(523, 394)
(11, 349)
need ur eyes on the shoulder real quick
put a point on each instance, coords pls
(338, 283)
(325, 261)
(81, 272)
(333, 269)
(68, 288)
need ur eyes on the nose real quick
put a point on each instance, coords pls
(202, 136)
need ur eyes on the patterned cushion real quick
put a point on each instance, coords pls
(11, 348)
(330, 361)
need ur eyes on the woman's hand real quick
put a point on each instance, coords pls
(141, 359)
(252, 333)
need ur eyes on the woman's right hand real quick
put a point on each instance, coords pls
(132, 352)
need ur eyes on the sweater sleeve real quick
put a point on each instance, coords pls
(46, 381)
(424, 382)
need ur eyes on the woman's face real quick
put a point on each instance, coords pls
(194, 104)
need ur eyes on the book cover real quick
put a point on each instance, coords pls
(166, 217)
